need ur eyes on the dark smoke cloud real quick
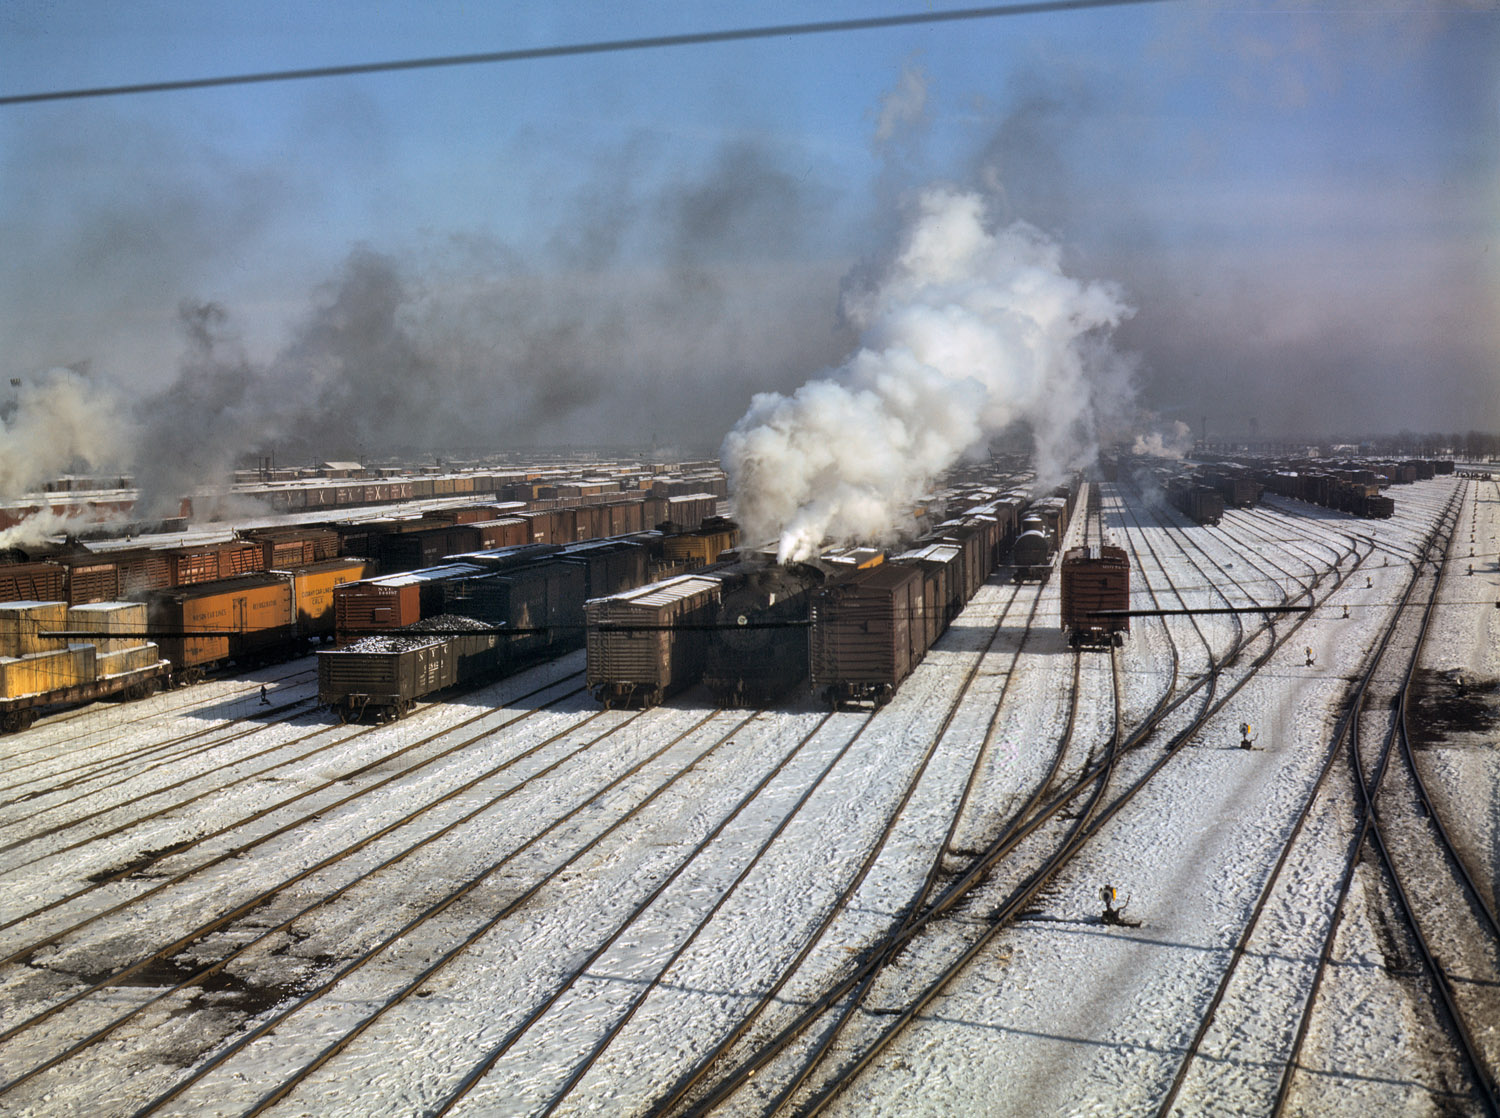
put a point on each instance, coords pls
(469, 345)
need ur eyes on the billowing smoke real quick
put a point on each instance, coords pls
(44, 524)
(969, 330)
(630, 308)
(62, 421)
(1175, 442)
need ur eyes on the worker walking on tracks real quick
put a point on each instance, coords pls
(1309, 652)
(265, 700)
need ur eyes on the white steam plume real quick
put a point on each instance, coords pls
(970, 330)
(1165, 444)
(56, 423)
(45, 524)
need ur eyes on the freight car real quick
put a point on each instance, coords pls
(540, 607)
(1032, 554)
(386, 673)
(38, 670)
(18, 712)
(255, 619)
(248, 620)
(1090, 584)
(32, 582)
(1361, 498)
(1238, 490)
(1199, 503)
(868, 633)
(1043, 527)
(647, 643)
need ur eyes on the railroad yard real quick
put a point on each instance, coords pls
(1039, 880)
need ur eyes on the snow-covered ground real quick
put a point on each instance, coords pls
(542, 880)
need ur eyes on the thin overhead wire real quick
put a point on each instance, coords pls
(609, 46)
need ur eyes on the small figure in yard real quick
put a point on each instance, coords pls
(1308, 651)
(265, 700)
(1112, 915)
(1369, 583)
(1346, 609)
(1246, 741)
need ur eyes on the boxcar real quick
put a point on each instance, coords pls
(703, 545)
(868, 633)
(313, 588)
(609, 566)
(1091, 583)
(541, 603)
(944, 573)
(247, 620)
(33, 582)
(644, 644)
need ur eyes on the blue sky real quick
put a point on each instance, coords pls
(1299, 201)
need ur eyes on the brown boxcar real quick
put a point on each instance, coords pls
(393, 601)
(510, 531)
(33, 582)
(868, 633)
(609, 566)
(944, 593)
(541, 605)
(646, 643)
(1091, 583)
(141, 570)
(374, 605)
(294, 547)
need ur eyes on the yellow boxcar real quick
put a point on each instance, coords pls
(699, 549)
(312, 590)
(243, 619)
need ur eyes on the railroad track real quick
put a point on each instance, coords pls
(205, 974)
(181, 822)
(993, 916)
(1419, 878)
(70, 751)
(707, 1083)
(596, 1006)
(148, 866)
(198, 941)
(543, 1014)
(1255, 979)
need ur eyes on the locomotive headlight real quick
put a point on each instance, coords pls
(743, 620)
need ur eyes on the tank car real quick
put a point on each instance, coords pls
(1032, 555)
